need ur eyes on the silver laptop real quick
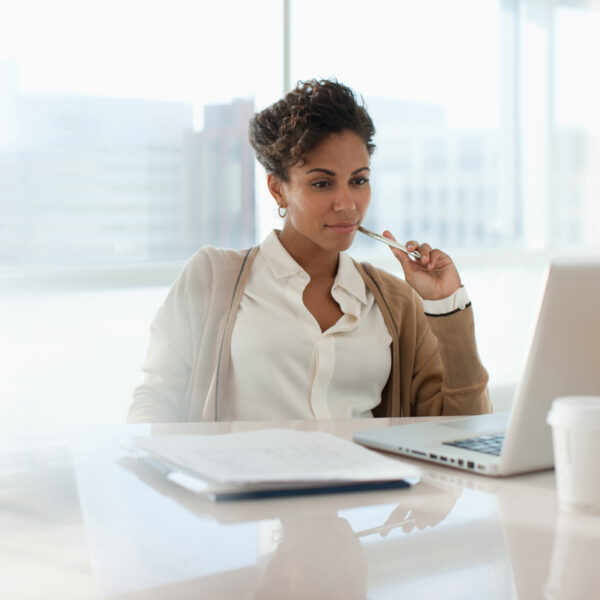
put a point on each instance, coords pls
(564, 359)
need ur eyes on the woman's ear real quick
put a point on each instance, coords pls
(275, 186)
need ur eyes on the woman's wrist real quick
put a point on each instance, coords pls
(459, 300)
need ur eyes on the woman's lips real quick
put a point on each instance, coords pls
(343, 227)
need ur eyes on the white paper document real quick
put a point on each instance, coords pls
(271, 458)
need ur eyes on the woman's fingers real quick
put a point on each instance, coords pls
(424, 250)
(433, 276)
(430, 258)
(401, 256)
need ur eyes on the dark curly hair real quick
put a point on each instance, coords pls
(285, 131)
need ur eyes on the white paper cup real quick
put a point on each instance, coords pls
(575, 422)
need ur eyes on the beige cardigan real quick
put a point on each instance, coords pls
(435, 365)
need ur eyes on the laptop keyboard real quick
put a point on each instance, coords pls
(488, 444)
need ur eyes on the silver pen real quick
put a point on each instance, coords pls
(392, 243)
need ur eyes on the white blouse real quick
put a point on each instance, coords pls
(283, 366)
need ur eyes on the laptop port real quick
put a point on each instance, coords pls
(434, 456)
(418, 453)
(461, 462)
(443, 458)
(471, 464)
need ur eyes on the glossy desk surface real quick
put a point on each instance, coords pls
(79, 519)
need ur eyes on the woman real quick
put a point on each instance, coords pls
(294, 328)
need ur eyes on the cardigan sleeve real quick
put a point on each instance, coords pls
(168, 363)
(448, 377)
(436, 369)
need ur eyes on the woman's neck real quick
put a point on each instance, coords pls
(316, 261)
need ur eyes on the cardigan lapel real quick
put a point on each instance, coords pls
(390, 399)
(224, 358)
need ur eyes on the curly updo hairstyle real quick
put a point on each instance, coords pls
(284, 132)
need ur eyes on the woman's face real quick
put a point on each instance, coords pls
(327, 197)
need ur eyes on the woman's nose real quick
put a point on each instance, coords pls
(344, 200)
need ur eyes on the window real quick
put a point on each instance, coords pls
(123, 148)
(430, 75)
(487, 132)
(124, 127)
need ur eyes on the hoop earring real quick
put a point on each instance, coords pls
(281, 211)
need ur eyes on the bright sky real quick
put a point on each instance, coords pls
(188, 50)
(577, 80)
(431, 50)
(201, 51)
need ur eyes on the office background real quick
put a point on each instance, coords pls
(123, 149)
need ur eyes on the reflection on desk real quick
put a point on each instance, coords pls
(81, 518)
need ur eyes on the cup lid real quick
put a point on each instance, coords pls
(579, 411)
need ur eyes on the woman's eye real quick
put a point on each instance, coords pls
(360, 181)
(320, 184)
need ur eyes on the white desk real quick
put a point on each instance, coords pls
(79, 519)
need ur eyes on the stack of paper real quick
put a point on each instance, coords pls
(270, 462)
